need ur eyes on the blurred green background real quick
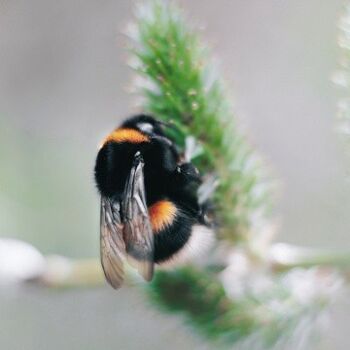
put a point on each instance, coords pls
(65, 84)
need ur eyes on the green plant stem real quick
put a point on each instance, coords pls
(65, 272)
(284, 257)
(180, 84)
(62, 272)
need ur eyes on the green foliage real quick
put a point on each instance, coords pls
(178, 84)
(203, 299)
(181, 86)
(272, 313)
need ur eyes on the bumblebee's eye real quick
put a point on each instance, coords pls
(145, 127)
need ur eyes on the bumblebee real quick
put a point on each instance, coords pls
(149, 205)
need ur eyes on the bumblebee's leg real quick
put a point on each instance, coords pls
(188, 175)
(182, 187)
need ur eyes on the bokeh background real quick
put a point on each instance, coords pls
(65, 84)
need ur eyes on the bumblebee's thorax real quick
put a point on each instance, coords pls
(126, 135)
(115, 157)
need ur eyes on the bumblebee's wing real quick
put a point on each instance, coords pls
(112, 243)
(138, 234)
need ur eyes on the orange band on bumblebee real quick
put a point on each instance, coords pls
(161, 214)
(126, 135)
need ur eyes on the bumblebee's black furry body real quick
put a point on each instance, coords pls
(165, 178)
(114, 162)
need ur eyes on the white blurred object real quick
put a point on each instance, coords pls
(287, 254)
(207, 188)
(192, 148)
(313, 285)
(234, 276)
(19, 261)
(242, 276)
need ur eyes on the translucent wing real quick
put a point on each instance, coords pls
(112, 243)
(138, 234)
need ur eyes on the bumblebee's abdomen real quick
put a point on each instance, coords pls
(171, 228)
(162, 214)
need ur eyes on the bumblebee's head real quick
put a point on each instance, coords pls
(146, 124)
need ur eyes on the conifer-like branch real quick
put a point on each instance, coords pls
(179, 85)
(242, 299)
